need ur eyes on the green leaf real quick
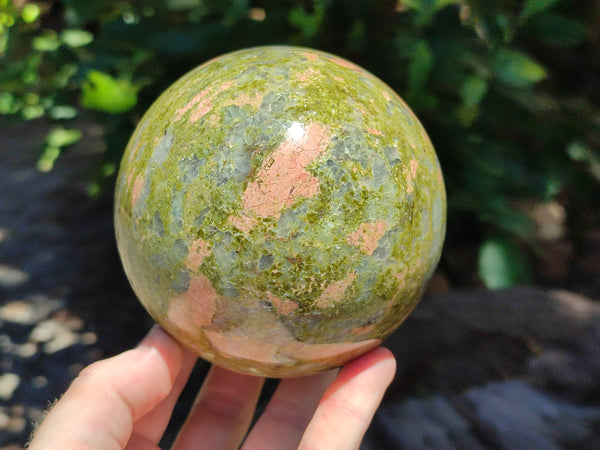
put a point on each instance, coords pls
(473, 90)
(420, 67)
(439, 4)
(63, 112)
(502, 264)
(30, 12)
(47, 41)
(61, 78)
(62, 137)
(48, 159)
(104, 93)
(55, 141)
(418, 75)
(533, 7)
(76, 38)
(515, 68)
(466, 115)
(7, 103)
(308, 23)
(31, 112)
(415, 4)
(182, 5)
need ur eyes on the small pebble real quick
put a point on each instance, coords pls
(11, 276)
(9, 382)
(16, 425)
(29, 311)
(18, 311)
(43, 332)
(56, 335)
(39, 382)
(89, 338)
(26, 350)
(4, 419)
(61, 341)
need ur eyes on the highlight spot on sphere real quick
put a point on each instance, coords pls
(295, 131)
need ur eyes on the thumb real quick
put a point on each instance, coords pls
(102, 404)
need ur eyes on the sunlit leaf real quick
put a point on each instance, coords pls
(31, 112)
(63, 112)
(62, 137)
(7, 103)
(30, 12)
(56, 140)
(46, 42)
(502, 264)
(473, 90)
(49, 156)
(516, 68)
(439, 4)
(31, 98)
(104, 93)
(76, 37)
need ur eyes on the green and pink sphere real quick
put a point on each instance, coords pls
(279, 211)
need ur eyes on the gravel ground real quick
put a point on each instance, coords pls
(513, 369)
(57, 308)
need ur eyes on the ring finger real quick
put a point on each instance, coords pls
(222, 411)
(289, 411)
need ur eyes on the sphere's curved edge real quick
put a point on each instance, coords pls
(281, 193)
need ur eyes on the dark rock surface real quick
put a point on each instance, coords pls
(476, 369)
(510, 369)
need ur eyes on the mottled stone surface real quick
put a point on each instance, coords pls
(279, 210)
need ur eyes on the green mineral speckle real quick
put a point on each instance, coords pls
(291, 199)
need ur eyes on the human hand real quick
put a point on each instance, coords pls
(126, 402)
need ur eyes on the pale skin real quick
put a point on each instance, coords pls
(125, 402)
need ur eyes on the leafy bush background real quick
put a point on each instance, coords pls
(507, 89)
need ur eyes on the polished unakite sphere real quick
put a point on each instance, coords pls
(279, 210)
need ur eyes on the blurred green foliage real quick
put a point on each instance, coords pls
(507, 89)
